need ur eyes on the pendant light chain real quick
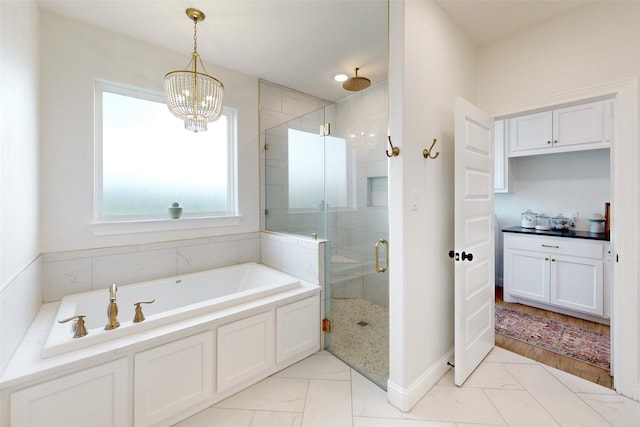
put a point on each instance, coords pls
(195, 35)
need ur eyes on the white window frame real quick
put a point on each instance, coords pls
(131, 224)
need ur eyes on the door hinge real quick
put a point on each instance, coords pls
(326, 326)
(266, 211)
(325, 129)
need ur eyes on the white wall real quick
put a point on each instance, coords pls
(73, 55)
(590, 46)
(19, 149)
(431, 62)
(557, 183)
(19, 130)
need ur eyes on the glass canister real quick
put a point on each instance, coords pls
(542, 222)
(560, 222)
(528, 219)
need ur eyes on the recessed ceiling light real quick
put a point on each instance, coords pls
(341, 77)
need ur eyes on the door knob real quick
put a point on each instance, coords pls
(453, 254)
(468, 257)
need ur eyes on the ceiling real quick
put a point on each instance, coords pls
(300, 44)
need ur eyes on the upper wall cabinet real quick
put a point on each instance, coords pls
(579, 127)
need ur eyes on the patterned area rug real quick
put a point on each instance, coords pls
(567, 340)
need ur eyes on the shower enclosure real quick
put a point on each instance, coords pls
(326, 177)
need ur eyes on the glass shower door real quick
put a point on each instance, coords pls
(331, 181)
(357, 301)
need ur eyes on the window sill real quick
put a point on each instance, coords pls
(153, 225)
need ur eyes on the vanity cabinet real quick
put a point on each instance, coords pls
(96, 397)
(559, 272)
(578, 127)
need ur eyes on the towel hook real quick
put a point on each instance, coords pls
(394, 150)
(427, 154)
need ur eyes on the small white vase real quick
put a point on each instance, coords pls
(175, 210)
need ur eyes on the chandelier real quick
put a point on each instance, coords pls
(191, 95)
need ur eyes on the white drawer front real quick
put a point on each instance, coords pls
(553, 245)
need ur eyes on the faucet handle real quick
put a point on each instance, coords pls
(139, 316)
(78, 326)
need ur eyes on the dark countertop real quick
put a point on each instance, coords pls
(574, 234)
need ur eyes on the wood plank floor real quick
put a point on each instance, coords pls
(567, 364)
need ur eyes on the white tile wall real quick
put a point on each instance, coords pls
(65, 273)
(20, 300)
(296, 255)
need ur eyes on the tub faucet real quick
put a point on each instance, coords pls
(112, 309)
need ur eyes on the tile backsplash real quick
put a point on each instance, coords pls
(65, 273)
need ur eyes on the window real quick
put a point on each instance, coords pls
(146, 160)
(315, 161)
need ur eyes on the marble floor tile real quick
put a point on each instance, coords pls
(492, 375)
(558, 400)
(369, 400)
(455, 404)
(577, 384)
(387, 422)
(276, 419)
(506, 390)
(620, 411)
(321, 366)
(271, 394)
(328, 404)
(504, 356)
(219, 417)
(519, 408)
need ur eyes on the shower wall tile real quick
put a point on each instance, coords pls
(270, 97)
(297, 103)
(354, 288)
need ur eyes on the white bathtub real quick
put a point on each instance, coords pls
(176, 298)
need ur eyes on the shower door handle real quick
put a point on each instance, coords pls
(378, 268)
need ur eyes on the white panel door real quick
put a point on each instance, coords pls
(474, 244)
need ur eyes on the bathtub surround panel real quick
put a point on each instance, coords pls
(20, 301)
(66, 273)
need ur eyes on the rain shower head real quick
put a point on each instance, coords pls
(356, 83)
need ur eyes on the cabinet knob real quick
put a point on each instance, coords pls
(553, 260)
(555, 141)
(548, 142)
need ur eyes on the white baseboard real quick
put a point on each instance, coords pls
(406, 398)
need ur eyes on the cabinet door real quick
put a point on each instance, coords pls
(298, 329)
(578, 125)
(527, 274)
(577, 283)
(246, 349)
(97, 397)
(530, 134)
(173, 379)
